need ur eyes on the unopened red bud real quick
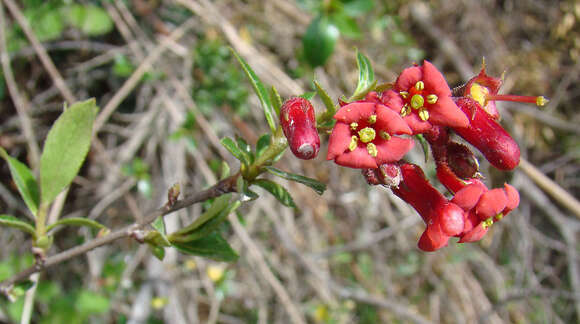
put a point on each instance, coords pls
(498, 147)
(299, 125)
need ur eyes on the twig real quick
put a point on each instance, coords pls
(258, 258)
(40, 51)
(550, 187)
(224, 186)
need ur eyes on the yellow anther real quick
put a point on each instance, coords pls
(353, 126)
(372, 119)
(417, 101)
(499, 216)
(367, 134)
(479, 93)
(353, 143)
(423, 114)
(432, 99)
(404, 94)
(541, 101)
(419, 85)
(372, 149)
(487, 223)
(384, 135)
(405, 110)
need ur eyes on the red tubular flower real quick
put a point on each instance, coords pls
(363, 136)
(483, 207)
(299, 125)
(484, 90)
(421, 95)
(444, 219)
(488, 136)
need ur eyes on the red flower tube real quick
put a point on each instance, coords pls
(299, 125)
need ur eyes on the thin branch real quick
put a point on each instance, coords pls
(224, 186)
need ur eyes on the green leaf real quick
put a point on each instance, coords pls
(366, 77)
(319, 41)
(245, 148)
(260, 90)
(25, 181)
(219, 204)
(11, 221)
(77, 221)
(347, 26)
(89, 302)
(245, 193)
(316, 185)
(308, 95)
(232, 146)
(158, 252)
(262, 144)
(46, 24)
(92, 20)
(225, 170)
(65, 148)
(275, 99)
(424, 146)
(355, 8)
(326, 100)
(277, 191)
(212, 246)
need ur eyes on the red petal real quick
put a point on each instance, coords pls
(393, 100)
(355, 111)
(393, 150)
(470, 222)
(468, 197)
(452, 219)
(357, 159)
(408, 78)
(390, 121)
(339, 140)
(474, 235)
(491, 203)
(432, 239)
(445, 112)
(434, 80)
(513, 198)
(416, 124)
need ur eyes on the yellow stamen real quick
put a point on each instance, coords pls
(384, 135)
(419, 85)
(432, 99)
(499, 216)
(487, 223)
(417, 101)
(404, 94)
(405, 110)
(479, 93)
(372, 149)
(541, 101)
(367, 134)
(353, 126)
(423, 114)
(372, 119)
(353, 143)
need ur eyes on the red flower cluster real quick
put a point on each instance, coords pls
(368, 135)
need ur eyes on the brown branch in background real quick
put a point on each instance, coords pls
(222, 187)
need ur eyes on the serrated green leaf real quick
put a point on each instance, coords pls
(319, 40)
(232, 146)
(11, 221)
(327, 101)
(262, 144)
(260, 89)
(308, 95)
(212, 246)
(77, 221)
(316, 185)
(277, 191)
(65, 148)
(275, 99)
(366, 77)
(24, 180)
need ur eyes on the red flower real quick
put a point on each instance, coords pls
(299, 125)
(484, 89)
(421, 95)
(483, 207)
(363, 136)
(498, 147)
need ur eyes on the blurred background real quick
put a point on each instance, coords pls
(169, 88)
